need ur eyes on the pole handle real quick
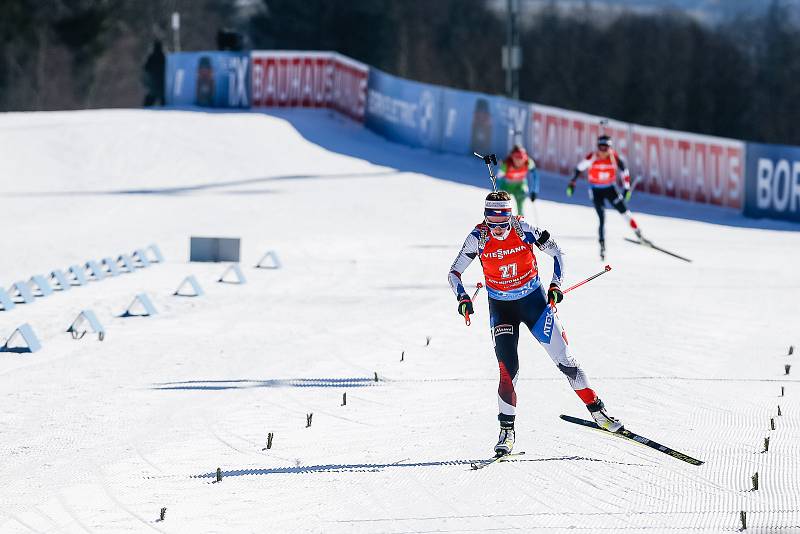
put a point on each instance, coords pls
(478, 287)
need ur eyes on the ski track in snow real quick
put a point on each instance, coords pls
(98, 437)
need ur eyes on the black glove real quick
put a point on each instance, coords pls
(554, 294)
(533, 196)
(465, 305)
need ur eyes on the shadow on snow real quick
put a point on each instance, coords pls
(369, 468)
(214, 385)
(208, 186)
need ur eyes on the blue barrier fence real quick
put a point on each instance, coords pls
(208, 79)
(443, 119)
(772, 187)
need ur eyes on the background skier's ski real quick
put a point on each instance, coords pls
(648, 243)
(632, 436)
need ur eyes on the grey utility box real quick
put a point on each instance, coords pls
(214, 249)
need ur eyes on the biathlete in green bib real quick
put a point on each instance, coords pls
(518, 176)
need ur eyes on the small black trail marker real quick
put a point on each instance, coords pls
(163, 514)
(754, 478)
(219, 474)
(402, 355)
(428, 342)
(781, 391)
(772, 423)
(791, 350)
(779, 410)
(269, 442)
(308, 419)
(786, 368)
(766, 444)
(376, 376)
(743, 517)
(344, 399)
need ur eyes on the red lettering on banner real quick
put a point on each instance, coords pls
(681, 165)
(312, 80)
(698, 188)
(562, 138)
(716, 175)
(683, 170)
(734, 179)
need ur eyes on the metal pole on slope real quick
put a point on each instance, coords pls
(176, 31)
(512, 53)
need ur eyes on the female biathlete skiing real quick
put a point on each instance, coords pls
(602, 166)
(505, 246)
(518, 176)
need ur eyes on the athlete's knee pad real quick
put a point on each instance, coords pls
(570, 371)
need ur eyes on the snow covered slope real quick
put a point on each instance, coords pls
(99, 436)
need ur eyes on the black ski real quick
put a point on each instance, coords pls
(648, 243)
(628, 435)
(495, 459)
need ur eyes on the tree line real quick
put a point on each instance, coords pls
(738, 78)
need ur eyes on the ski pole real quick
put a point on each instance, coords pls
(478, 287)
(579, 284)
(489, 160)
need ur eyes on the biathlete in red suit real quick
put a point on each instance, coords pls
(504, 244)
(604, 166)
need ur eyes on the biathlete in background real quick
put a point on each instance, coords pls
(505, 245)
(519, 177)
(605, 166)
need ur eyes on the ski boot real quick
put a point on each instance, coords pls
(603, 420)
(506, 440)
(602, 250)
(641, 237)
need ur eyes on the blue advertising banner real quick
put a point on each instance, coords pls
(208, 79)
(443, 119)
(772, 184)
(404, 111)
(512, 123)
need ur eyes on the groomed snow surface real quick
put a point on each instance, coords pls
(99, 436)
